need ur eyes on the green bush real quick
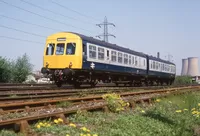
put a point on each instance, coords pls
(22, 68)
(183, 80)
(5, 70)
(15, 71)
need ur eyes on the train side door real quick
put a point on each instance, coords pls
(107, 58)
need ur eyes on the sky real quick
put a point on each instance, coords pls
(170, 27)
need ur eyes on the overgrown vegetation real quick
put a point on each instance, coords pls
(172, 116)
(15, 71)
(115, 102)
(183, 80)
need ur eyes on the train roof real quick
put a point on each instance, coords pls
(117, 47)
(109, 45)
(160, 60)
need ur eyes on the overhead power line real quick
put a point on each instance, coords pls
(25, 22)
(74, 11)
(105, 33)
(19, 39)
(43, 16)
(56, 13)
(22, 31)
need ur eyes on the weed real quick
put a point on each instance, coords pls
(64, 104)
(115, 103)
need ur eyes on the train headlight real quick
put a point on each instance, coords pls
(70, 64)
(47, 64)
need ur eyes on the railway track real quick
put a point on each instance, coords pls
(84, 103)
(38, 94)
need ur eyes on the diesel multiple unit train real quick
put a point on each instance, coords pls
(77, 59)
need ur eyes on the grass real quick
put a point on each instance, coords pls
(172, 116)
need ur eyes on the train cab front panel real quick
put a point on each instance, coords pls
(63, 50)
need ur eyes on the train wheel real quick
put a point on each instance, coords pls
(93, 84)
(77, 84)
(59, 84)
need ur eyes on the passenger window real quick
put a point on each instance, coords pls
(119, 57)
(50, 49)
(100, 53)
(125, 59)
(136, 61)
(154, 66)
(113, 56)
(144, 62)
(60, 49)
(129, 60)
(133, 60)
(71, 47)
(92, 51)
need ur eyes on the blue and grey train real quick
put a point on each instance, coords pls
(78, 59)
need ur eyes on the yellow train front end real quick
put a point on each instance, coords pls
(62, 55)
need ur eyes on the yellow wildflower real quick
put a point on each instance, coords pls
(38, 126)
(185, 109)
(72, 125)
(48, 125)
(94, 135)
(60, 120)
(56, 121)
(143, 111)
(192, 109)
(88, 134)
(67, 135)
(41, 124)
(198, 104)
(127, 104)
(178, 111)
(195, 112)
(170, 102)
(157, 100)
(84, 128)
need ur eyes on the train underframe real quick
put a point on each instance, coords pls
(91, 77)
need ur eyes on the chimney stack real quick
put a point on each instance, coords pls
(184, 67)
(193, 68)
(158, 54)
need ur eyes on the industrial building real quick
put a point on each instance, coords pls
(190, 67)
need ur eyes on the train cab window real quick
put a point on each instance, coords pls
(92, 51)
(60, 49)
(129, 60)
(50, 49)
(125, 59)
(71, 47)
(113, 56)
(119, 57)
(100, 53)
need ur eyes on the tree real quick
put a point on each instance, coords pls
(5, 70)
(22, 68)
